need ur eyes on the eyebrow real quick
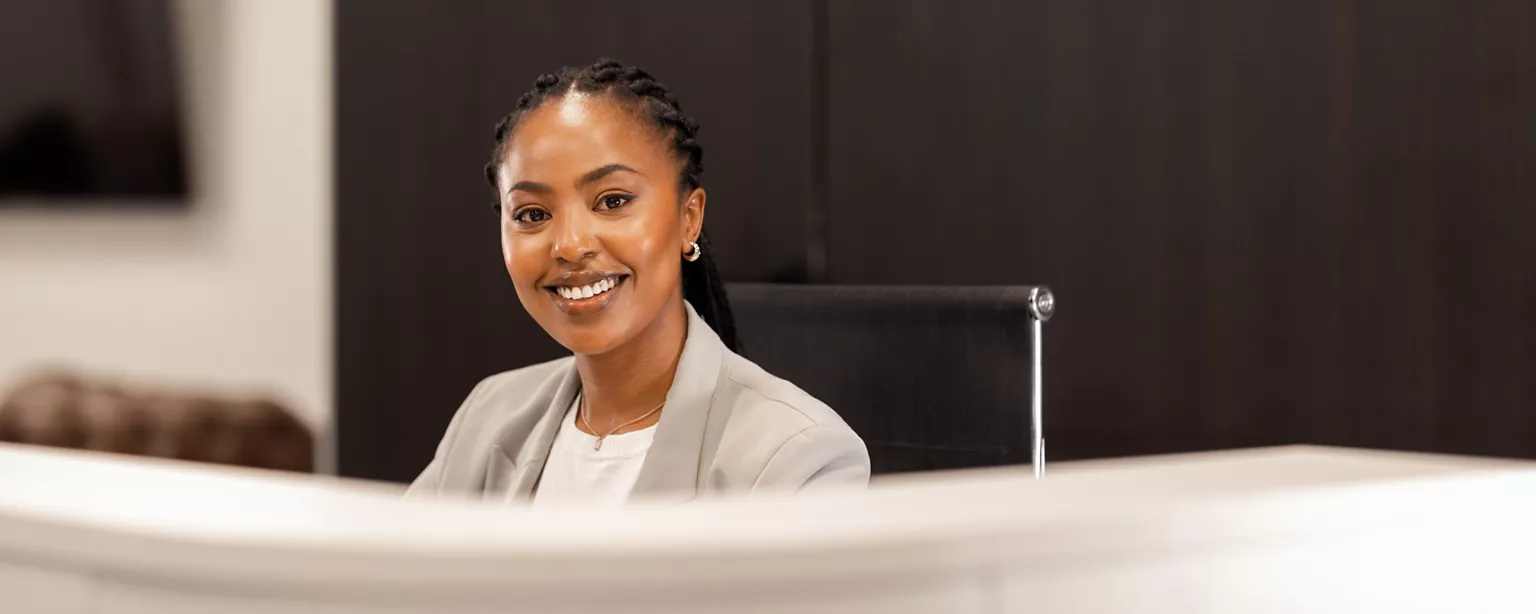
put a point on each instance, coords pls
(592, 176)
(531, 186)
(600, 172)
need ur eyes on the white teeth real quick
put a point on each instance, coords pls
(585, 292)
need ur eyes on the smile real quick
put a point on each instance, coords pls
(576, 293)
(593, 294)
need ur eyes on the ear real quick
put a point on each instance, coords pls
(693, 217)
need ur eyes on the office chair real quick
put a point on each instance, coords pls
(931, 377)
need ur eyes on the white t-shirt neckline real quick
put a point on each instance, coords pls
(576, 471)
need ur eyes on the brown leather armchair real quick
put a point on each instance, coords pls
(69, 411)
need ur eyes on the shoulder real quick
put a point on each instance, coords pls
(756, 390)
(522, 378)
(509, 397)
(789, 438)
(505, 403)
(508, 390)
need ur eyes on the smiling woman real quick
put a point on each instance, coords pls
(597, 175)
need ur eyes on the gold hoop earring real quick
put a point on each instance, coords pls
(694, 255)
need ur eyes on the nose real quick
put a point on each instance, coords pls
(575, 239)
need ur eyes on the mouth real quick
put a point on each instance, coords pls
(585, 295)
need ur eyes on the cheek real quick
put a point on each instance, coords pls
(651, 245)
(521, 254)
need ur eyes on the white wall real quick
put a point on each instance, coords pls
(233, 292)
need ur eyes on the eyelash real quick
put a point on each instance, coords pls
(521, 215)
(602, 201)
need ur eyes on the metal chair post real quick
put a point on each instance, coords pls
(1042, 304)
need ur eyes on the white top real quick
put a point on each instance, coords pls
(578, 471)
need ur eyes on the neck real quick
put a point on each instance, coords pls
(632, 379)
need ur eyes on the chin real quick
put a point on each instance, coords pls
(589, 338)
(587, 342)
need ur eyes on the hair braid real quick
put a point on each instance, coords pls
(649, 99)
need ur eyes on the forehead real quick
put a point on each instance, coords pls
(569, 136)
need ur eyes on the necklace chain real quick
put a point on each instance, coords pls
(583, 412)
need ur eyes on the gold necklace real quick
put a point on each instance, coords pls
(588, 423)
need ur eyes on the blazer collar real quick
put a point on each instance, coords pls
(671, 468)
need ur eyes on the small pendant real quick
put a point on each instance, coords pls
(599, 445)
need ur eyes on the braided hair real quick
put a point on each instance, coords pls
(640, 93)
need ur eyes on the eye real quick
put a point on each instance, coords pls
(609, 202)
(530, 215)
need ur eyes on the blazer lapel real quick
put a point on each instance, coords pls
(517, 459)
(671, 468)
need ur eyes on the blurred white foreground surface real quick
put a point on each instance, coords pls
(1269, 530)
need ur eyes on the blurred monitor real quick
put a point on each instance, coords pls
(90, 110)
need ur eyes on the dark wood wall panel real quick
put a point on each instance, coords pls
(414, 237)
(424, 307)
(1268, 222)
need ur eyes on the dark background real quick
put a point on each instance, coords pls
(1268, 221)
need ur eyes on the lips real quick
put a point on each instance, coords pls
(585, 293)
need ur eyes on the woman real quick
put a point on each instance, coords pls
(597, 179)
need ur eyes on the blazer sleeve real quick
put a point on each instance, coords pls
(430, 483)
(816, 457)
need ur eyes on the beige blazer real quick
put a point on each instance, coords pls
(728, 427)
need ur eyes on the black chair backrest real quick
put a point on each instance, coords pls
(931, 377)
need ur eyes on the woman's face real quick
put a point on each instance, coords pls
(592, 227)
